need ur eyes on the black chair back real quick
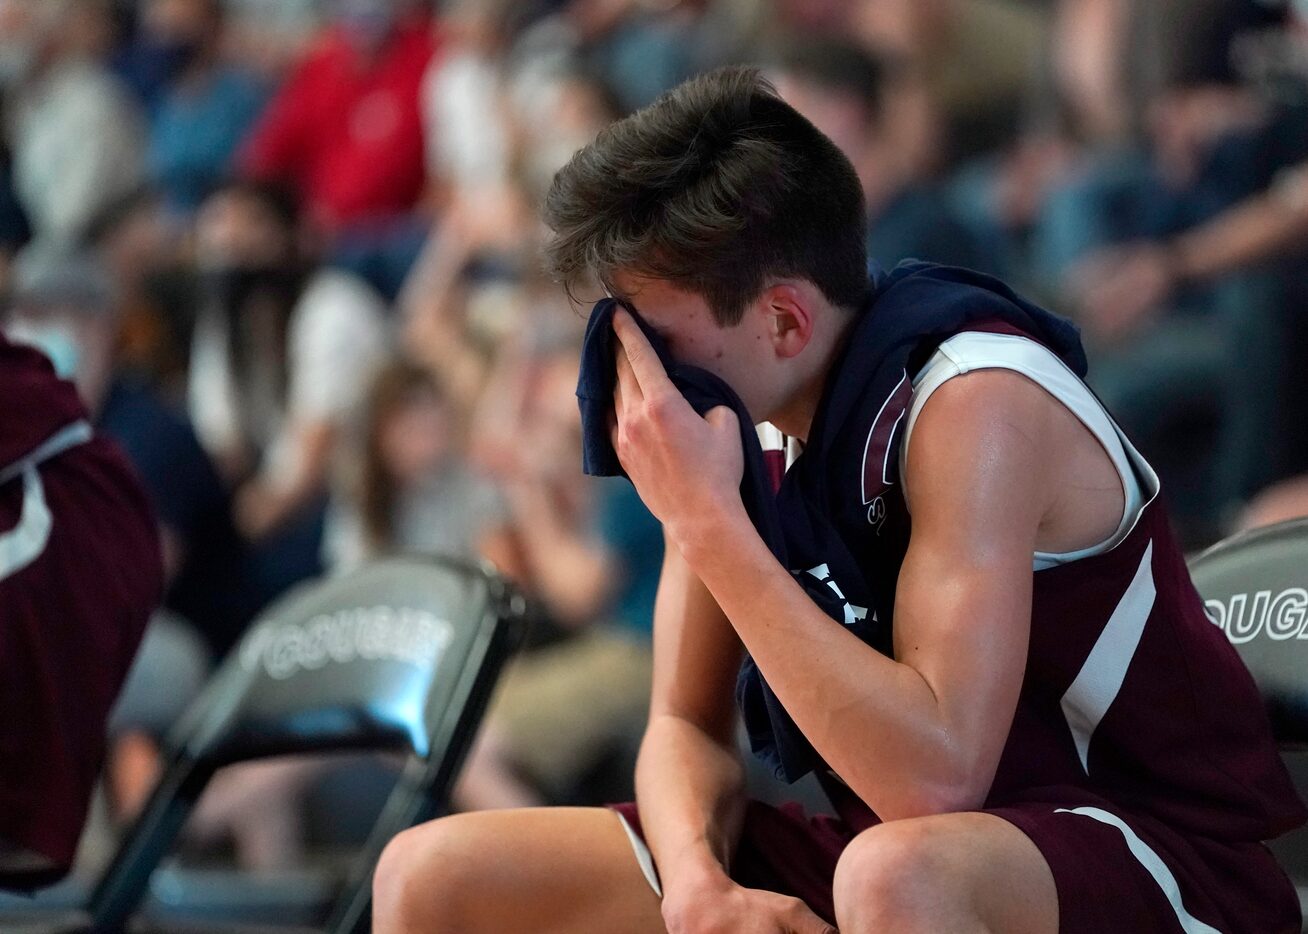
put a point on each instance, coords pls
(1255, 587)
(398, 656)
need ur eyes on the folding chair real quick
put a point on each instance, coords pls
(1255, 586)
(399, 656)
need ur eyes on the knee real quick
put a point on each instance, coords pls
(892, 877)
(422, 880)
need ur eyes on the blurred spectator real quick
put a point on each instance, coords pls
(466, 122)
(412, 490)
(74, 132)
(870, 111)
(143, 247)
(281, 354)
(346, 128)
(477, 276)
(1208, 140)
(1170, 360)
(1122, 288)
(200, 106)
(977, 59)
(1279, 503)
(270, 36)
(14, 230)
(135, 245)
(638, 50)
(590, 553)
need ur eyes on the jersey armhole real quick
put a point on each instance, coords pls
(975, 350)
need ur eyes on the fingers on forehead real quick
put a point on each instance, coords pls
(644, 362)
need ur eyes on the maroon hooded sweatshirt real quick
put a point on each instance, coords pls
(80, 574)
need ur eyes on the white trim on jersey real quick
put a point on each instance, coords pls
(1152, 864)
(979, 350)
(1100, 679)
(770, 437)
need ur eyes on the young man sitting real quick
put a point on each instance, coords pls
(1022, 716)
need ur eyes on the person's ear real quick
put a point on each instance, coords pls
(789, 319)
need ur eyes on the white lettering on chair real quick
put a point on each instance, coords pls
(1283, 616)
(403, 634)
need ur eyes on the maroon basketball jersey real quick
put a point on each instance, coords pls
(1131, 695)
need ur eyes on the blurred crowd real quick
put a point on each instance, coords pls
(288, 251)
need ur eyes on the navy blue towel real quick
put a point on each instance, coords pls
(702, 389)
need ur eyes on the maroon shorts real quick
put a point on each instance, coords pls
(1112, 876)
(71, 616)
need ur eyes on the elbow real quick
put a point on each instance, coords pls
(928, 800)
(924, 795)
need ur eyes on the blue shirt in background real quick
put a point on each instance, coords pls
(196, 131)
(635, 539)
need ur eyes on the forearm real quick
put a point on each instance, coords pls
(909, 758)
(1259, 230)
(313, 442)
(272, 496)
(690, 791)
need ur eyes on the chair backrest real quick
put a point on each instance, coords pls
(399, 655)
(1255, 587)
(368, 660)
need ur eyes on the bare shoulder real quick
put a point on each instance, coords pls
(985, 434)
(994, 444)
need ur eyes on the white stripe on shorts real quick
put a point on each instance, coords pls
(643, 856)
(1153, 864)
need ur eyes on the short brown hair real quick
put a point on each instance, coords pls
(716, 187)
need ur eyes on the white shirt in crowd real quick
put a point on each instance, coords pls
(336, 340)
(78, 146)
